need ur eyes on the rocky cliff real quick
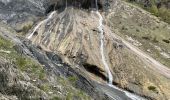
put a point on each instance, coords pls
(62, 38)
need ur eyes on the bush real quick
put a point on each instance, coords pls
(154, 10)
(158, 9)
(25, 29)
(152, 88)
(164, 13)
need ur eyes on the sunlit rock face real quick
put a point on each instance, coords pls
(72, 32)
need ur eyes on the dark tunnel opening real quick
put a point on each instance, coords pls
(95, 70)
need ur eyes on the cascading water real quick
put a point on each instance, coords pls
(110, 77)
(42, 22)
(100, 27)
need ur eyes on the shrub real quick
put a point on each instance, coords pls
(164, 13)
(25, 29)
(166, 41)
(158, 9)
(152, 88)
(154, 10)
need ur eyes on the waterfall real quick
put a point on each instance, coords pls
(100, 27)
(42, 22)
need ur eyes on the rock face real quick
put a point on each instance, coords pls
(67, 41)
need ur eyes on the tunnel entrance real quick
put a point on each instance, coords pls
(95, 70)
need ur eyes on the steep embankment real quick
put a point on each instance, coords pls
(77, 38)
(74, 34)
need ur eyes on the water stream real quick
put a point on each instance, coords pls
(39, 24)
(100, 27)
(110, 77)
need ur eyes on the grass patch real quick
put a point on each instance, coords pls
(34, 69)
(21, 63)
(45, 87)
(72, 79)
(5, 44)
(69, 96)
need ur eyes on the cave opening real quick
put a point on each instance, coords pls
(95, 70)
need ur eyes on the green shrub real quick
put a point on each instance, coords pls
(25, 29)
(160, 11)
(164, 13)
(154, 10)
(152, 88)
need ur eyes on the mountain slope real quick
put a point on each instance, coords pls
(74, 35)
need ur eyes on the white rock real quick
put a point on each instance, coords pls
(34, 80)
(50, 92)
(148, 50)
(164, 54)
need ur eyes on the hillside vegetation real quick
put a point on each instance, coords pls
(159, 8)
